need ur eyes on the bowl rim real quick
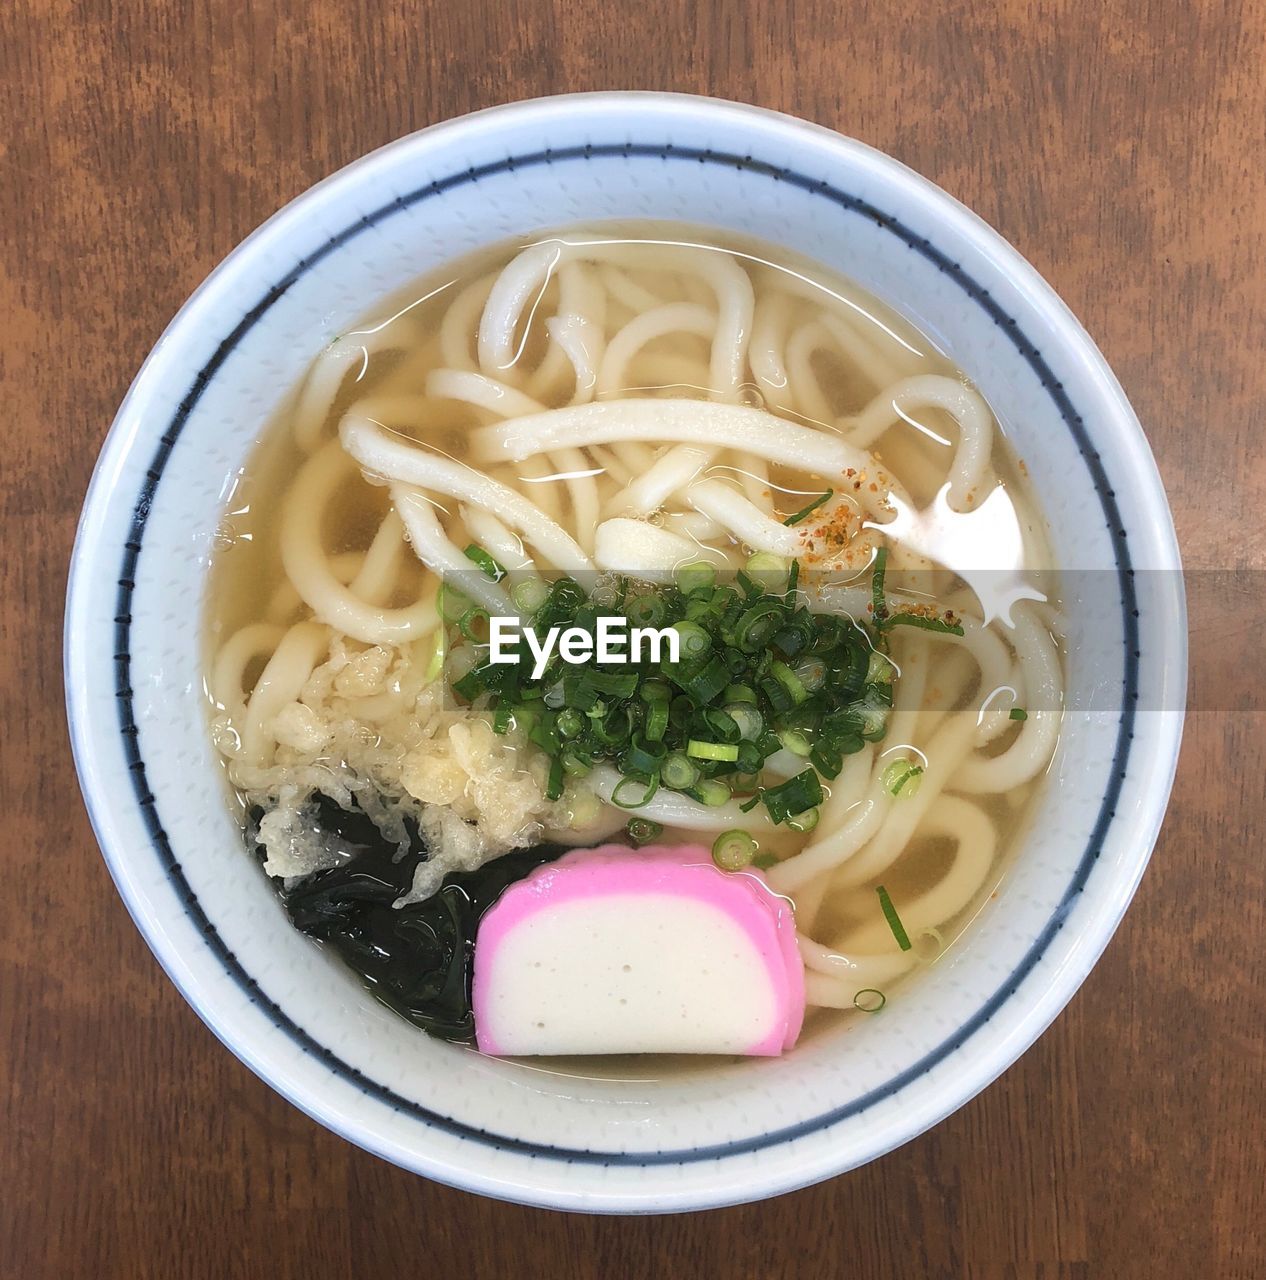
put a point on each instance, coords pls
(1064, 331)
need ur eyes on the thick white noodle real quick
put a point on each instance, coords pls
(674, 317)
(934, 391)
(833, 978)
(308, 567)
(975, 844)
(1034, 745)
(504, 545)
(835, 847)
(441, 555)
(811, 401)
(460, 322)
(633, 546)
(672, 809)
(395, 459)
(943, 753)
(746, 521)
(685, 421)
(279, 684)
(650, 490)
(766, 354)
(573, 468)
(227, 685)
(525, 279)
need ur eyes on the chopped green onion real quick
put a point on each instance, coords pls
(733, 850)
(452, 604)
(473, 622)
(529, 595)
(811, 508)
(901, 778)
(878, 601)
(765, 562)
(719, 725)
(631, 799)
(570, 722)
(704, 683)
(828, 759)
(554, 785)
(812, 674)
(436, 662)
(693, 638)
(643, 831)
(789, 681)
(490, 567)
(879, 668)
(894, 920)
(711, 792)
(804, 822)
(678, 773)
(794, 796)
(923, 622)
(757, 625)
(620, 684)
(470, 686)
(758, 672)
(694, 577)
(655, 691)
(1018, 713)
(645, 610)
(643, 758)
(868, 1000)
(763, 861)
(749, 720)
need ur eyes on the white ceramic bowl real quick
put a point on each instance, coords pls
(134, 672)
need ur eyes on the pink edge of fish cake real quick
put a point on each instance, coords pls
(678, 875)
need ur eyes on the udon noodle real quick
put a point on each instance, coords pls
(631, 402)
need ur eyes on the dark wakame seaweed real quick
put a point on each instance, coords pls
(418, 959)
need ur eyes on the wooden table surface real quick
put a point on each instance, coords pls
(1121, 147)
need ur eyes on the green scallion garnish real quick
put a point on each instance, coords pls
(878, 601)
(924, 622)
(643, 831)
(811, 508)
(633, 793)
(804, 822)
(490, 567)
(529, 595)
(894, 920)
(901, 778)
(712, 792)
(733, 850)
(792, 797)
(695, 577)
(868, 1000)
(758, 673)
(1018, 713)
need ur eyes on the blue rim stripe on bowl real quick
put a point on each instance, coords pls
(148, 804)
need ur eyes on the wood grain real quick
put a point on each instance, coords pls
(1120, 146)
